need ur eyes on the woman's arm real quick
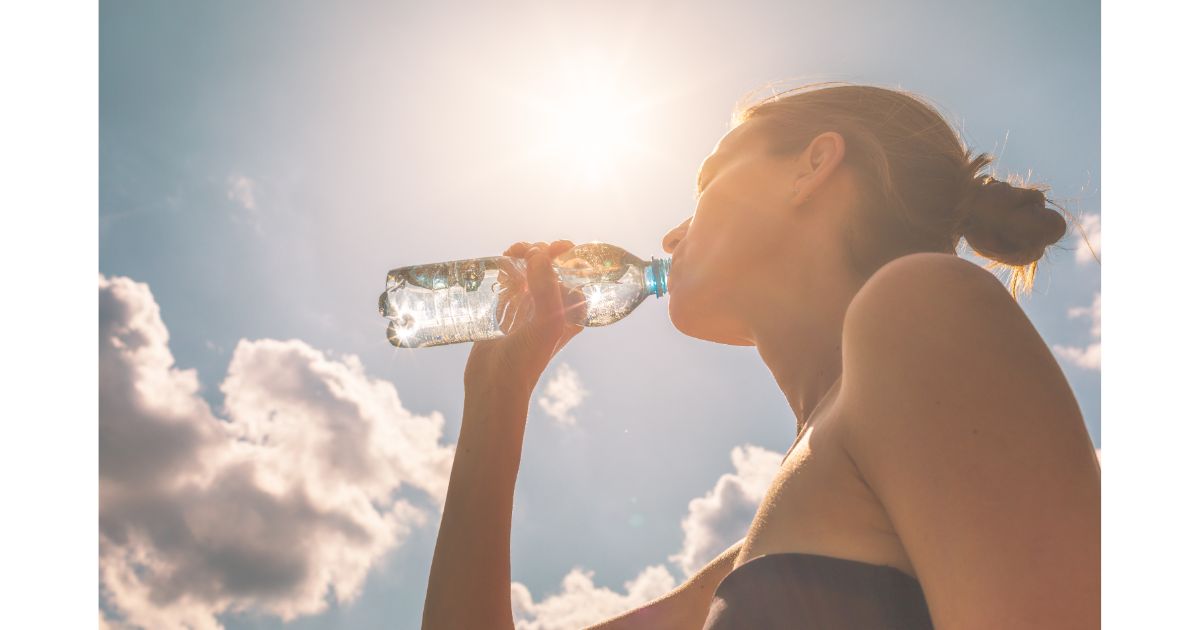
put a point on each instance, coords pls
(470, 580)
(469, 583)
(685, 607)
(965, 428)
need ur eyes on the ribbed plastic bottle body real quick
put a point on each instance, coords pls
(450, 302)
(484, 298)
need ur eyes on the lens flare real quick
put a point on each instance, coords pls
(589, 120)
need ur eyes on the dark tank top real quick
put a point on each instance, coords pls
(802, 591)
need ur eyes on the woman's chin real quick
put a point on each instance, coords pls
(691, 322)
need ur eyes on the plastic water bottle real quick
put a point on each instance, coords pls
(484, 298)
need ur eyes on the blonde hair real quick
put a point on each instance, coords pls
(923, 188)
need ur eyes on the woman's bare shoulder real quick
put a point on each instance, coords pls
(945, 274)
(941, 325)
(961, 422)
(934, 293)
(931, 339)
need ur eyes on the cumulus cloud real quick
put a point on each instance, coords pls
(581, 603)
(279, 505)
(562, 394)
(713, 522)
(244, 192)
(1087, 357)
(722, 516)
(1090, 225)
(240, 189)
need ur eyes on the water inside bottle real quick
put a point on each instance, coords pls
(486, 298)
(610, 279)
(450, 302)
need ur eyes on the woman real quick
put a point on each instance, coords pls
(941, 475)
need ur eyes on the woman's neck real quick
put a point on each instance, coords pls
(800, 340)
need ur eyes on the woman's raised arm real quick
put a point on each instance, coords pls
(469, 582)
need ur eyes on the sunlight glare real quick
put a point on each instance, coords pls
(587, 122)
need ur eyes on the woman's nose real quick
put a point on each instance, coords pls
(675, 235)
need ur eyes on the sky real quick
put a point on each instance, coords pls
(269, 460)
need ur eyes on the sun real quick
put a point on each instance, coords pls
(587, 122)
(592, 130)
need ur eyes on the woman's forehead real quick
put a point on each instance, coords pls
(740, 138)
(735, 140)
(732, 138)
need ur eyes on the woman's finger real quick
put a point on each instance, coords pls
(516, 249)
(541, 245)
(557, 248)
(520, 248)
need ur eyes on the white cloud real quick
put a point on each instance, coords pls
(244, 192)
(281, 506)
(723, 515)
(1090, 225)
(1092, 312)
(240, 189)
(581, 603)
(714, 522)
(1087, 357)
(283, 502)
(562, 394)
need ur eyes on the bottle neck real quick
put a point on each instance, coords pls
(656, 276)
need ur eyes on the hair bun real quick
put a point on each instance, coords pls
(1009, 224)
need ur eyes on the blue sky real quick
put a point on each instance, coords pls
(263, 165)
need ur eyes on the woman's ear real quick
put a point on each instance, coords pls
(816, 164)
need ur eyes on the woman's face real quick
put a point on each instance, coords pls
(723, 255)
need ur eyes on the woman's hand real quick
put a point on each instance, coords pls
(531, 339)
